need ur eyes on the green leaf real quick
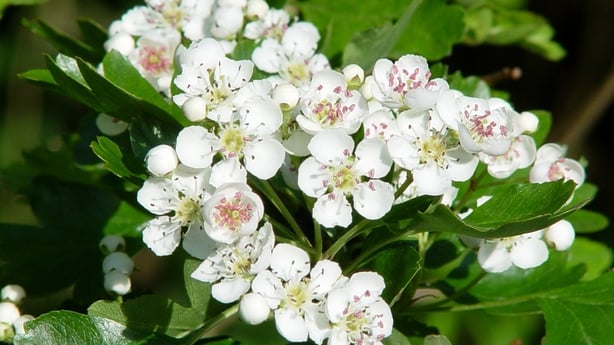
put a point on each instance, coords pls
(581, 314)
(116, 160)
(433, 339)
(6, 3)
(64, 43)
(432, 31)
(597, 257)
(147, 133)
(396, 338)
(64, 327)
(587, 221)
(470, 86)
(41, 77)
(545, 124)
(94, 34)
(126, 221)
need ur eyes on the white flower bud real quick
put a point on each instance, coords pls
(528, 122)
(286, 95)
(118, 261)
(7, 332)
(13, 293)
(9, 312)
(122, 42)
(253, 308)
(560, 235)
(112, 243)
(18, 324)
(354, 75)
(161, 160)
(118, 283)
(228, 20)
(195, 109)
(256, 9)
(367, 87)
(110, 125)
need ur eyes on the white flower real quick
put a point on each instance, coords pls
(13, 293)
(9, 312)
(332, 174)
(161, 160)
(520, 155)
(392, 80)
(296, 293)
(357, 312)
(232, 211)
(551, 165)
(380, 124)
(328, 103)
(227, 21)
(177, 203)
(429, 150)
(232, 267)
(272, 25)
(523, 251)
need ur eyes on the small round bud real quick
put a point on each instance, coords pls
(13, 293)
(253, 308)
(122, 42)
(112, 243)
(9, 312)
(355, 75)
(367, 87)
(7, 332)
(18, 324)
(118, 261)
(110, 125)
(161, 160)
(286, 95)
(528, 122)
(228, 20)
(256, 9)
(560, 235)
(195, 109)
(118, 283)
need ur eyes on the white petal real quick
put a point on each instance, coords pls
(288, 261)
(9, 312)
(372, 158)
(228, 170)
(529, 253)
(290, 325)
(403, 152)
(312, 177)
(332, 210)
(323, 276)
(261, 116)
(228, 291)
(267, 284)
(156, 195)
(296, 144)
(461, 164)
(366, 285)
(196, 146)
(264, 157)
(162, 235)
(197, 243)
(493, 257)
(331, 147)
(267, 56)
(430, 179)
(373, 199)
(560, 235)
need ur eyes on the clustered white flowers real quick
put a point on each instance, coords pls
(11, 318)
(117, 266)
(349, 141)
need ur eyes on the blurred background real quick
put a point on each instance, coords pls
(578, 90)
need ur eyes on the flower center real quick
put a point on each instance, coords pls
(232, 213)
(187, 211)
(297, 73)
(239, 263)
(232, 142)
(344, 178)
(296, 294)
(154, 60)
(432, 148)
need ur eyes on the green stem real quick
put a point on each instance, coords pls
(346, 237)
(372, 250)
(197, 334)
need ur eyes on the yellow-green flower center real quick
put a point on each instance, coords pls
(188, 210)
(232, 142)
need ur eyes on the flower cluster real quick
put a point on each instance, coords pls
(354, 144)
(11, 318)
(117, 266)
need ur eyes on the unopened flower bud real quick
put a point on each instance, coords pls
(18, 324)
(13, 293)
(256, 9)
(355, 75)
(228, 20)
(560, 235)
(7, 332)
(367, 87)
(528, 122)
(118, 261)
(286, 95)
(118, 283)
(110, 125)
(122, 42)
(253, 308)
(195, 109)
(9, 312)
(161, 160)
(112, 243)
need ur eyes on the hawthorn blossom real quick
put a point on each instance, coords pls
(296, 292)
(272, 25)
(428, 149)
(231, 212)
(551, 165)
(483, 125)
(357, 313)
(391, 81)
(380, 124)
(520, 155)
(332, 174)
(232, 267)
(328, 103)
(523, 251)
(176, 201)
(294, 58)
